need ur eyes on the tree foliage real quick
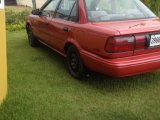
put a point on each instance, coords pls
(154, 5)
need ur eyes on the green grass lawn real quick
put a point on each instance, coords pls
(40, 88)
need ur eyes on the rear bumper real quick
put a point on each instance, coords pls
(122, 67)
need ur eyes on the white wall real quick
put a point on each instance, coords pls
(29, 3)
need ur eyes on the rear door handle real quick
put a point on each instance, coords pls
(65, 29)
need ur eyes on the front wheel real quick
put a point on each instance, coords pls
(31, 38)
(74, 62)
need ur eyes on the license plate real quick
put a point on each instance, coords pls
(155, 40)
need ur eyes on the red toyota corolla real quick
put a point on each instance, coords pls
(115, 37)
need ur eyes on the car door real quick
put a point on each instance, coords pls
(61, 25)
(43, 21)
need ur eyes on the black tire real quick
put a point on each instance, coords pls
(75, 63)
(31, 38)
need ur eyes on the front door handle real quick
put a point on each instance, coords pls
(65, 29)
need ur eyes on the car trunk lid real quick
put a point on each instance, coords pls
(142, 30)
(132, 26)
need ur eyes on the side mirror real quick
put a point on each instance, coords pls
(36, 12)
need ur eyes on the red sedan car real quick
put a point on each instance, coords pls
(118, 38)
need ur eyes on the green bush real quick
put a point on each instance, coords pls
(15, 27)
(15, 20)
(154, 5)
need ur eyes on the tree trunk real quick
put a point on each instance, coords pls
(34, 4)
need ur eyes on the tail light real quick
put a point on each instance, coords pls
(124, 46)
(140, 42)
(120, 44)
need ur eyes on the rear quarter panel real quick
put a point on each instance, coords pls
(93, 39)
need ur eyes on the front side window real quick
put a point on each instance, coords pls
(65, 9)
(49, 10)
(111, 10)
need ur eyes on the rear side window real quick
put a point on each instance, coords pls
(65, 8)
(74, 14)
(49, 10)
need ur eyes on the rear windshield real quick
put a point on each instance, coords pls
(112, 10)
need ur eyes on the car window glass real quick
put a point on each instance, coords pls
(117, 6)
(74, 14)
(111, 10)
(49, 10)
(64, 9)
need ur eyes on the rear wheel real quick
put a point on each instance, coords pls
(74, 62)
(31, 38)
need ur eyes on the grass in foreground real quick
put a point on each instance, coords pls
(40, 88)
